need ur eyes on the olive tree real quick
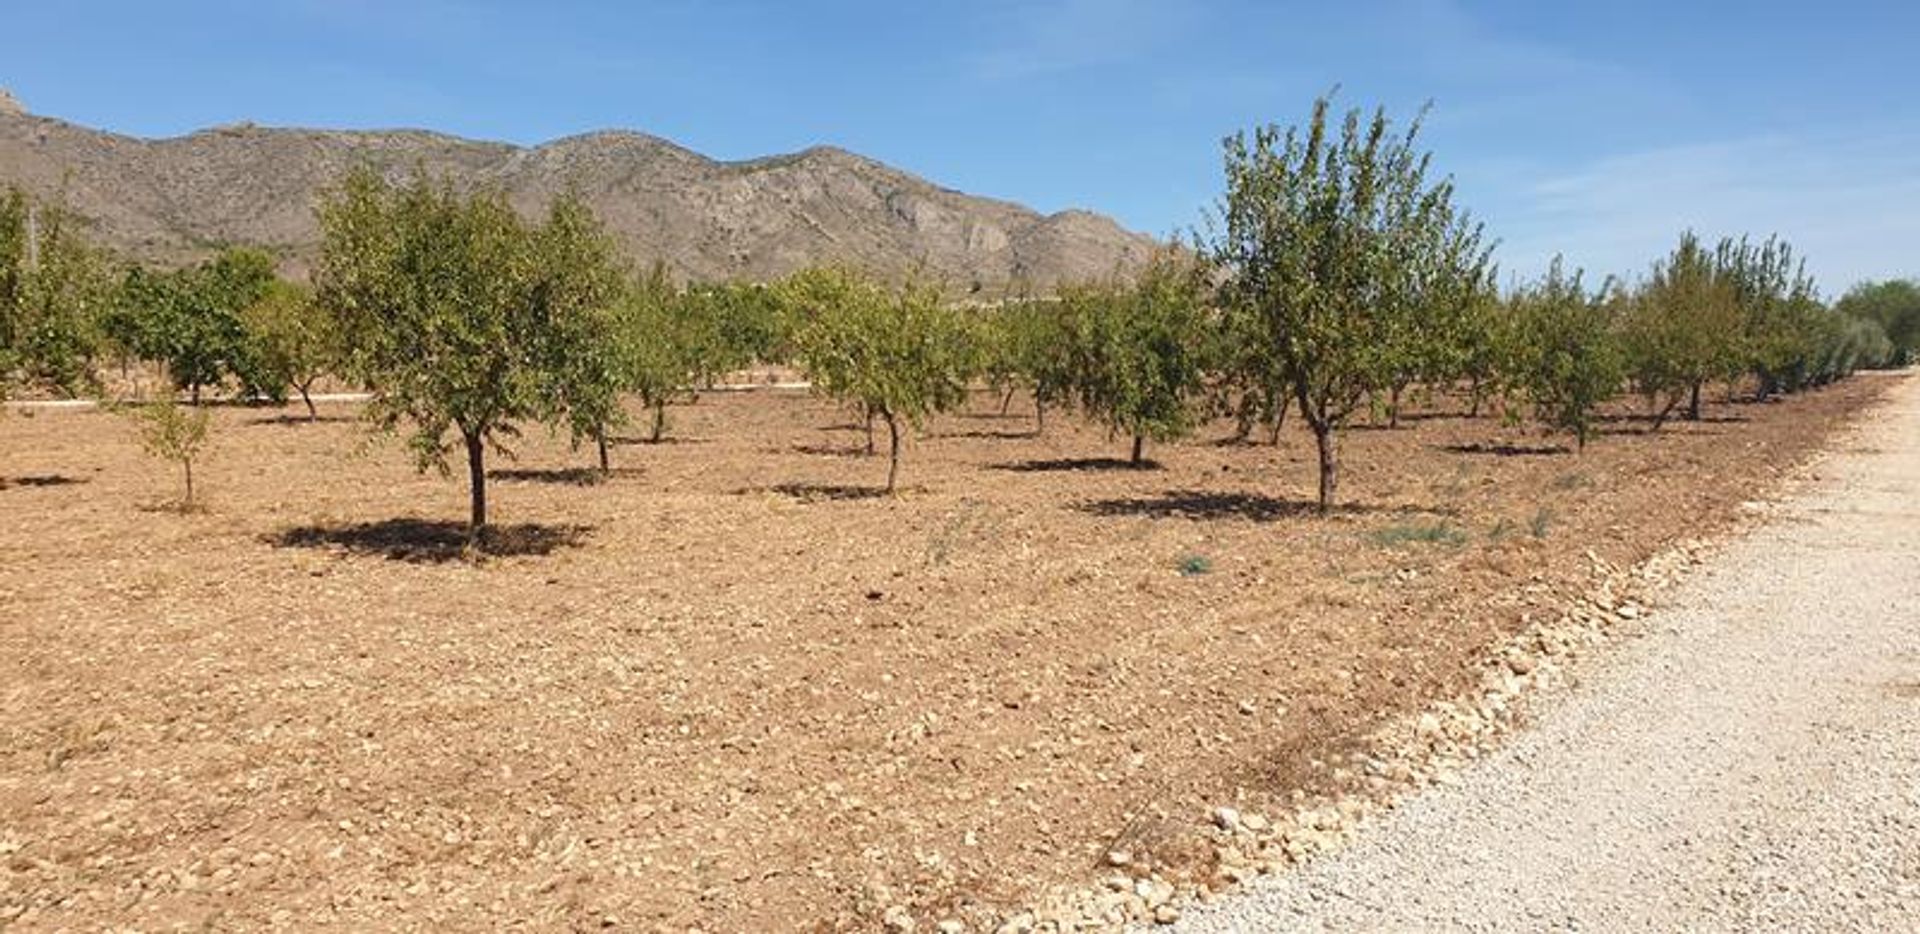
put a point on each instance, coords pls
(1895, 306)
(898, 355)
(448, 304)
(1334, 241)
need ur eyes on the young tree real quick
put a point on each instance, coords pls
(1564, 359)
(291, 340)
(176, 433)
(898, 355)
(447, 303)
(1139, 349)
(1682, 329)
(1334, 241)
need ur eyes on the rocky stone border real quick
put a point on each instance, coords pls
(1409, 754)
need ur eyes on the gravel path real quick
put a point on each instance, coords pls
(1751, 763)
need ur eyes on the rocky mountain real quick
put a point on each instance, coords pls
(171, 200)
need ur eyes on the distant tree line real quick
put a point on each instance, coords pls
(1339, 280)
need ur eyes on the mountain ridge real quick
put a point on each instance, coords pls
(175, 199)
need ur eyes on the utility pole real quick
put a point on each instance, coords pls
(33, 237)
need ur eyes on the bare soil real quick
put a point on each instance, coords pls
(730, 687)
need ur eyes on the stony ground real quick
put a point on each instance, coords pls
(731, 689)
(1752, 763)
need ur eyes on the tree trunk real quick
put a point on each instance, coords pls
(1693, 404)
(1006, 401)
(659, 422)
(1139, 448)
(1279, 421)
(1039, 414)
(600, 441)
(193, 393)
(1473, 398)
(477, 485)
(188, 464)
(893, 450)
(1393, 406)
(1329, 465)
(870, 435)
(313, 414)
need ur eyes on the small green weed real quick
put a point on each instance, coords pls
(1418, 533)
(1542, 520)
(1193, 565)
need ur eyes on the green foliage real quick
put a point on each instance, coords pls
(1347, 263)
(1026, 344)
(53, 287)
(1894, 305)
(1682, 329)
(667, 339)
(455, 312)
(190, 320)
(291, 340)
(577, 284)
(1137, 349)
(1194, 565)
(898, 355)
(732, 325)
(1563, 357)
(173, 432)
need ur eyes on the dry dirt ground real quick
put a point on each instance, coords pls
(727, 688)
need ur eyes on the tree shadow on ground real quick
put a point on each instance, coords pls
(561, 476)
(41, 480)
(832, 450)
(1678, 418)
(988, 434)
(1507, 450)
(432, 540)
(1073, 464)
(645, 441)
(821, 492)
(294, 421)
(1200, 504)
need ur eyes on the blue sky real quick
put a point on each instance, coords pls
(1595, 129)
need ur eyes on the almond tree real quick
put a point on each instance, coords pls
(54, 287)
(292, 340)
(1564, 359)
(898, 355)
(1138, 349)
(1335, 242)
(453, 310)
(1682, 329)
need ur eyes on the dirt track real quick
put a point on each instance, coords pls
(1753, 763)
